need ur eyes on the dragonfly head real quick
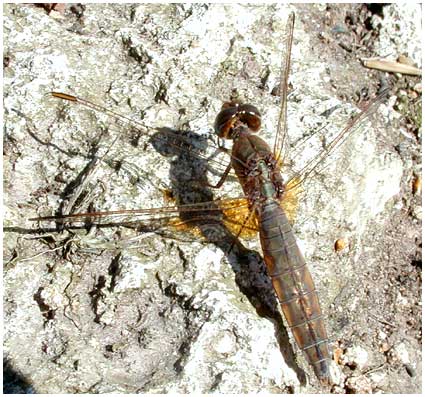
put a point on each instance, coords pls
(233, 116)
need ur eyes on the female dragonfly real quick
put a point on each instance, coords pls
(263, 207)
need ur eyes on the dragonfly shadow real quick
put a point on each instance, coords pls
(14, 382)
(189, 185)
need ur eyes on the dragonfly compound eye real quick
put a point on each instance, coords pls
(250, 116)
(225, 121)
(233, 115)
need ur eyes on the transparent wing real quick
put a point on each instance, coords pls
(175, 141)
(314, 165)
(187, 215)
(281, 140)
(230, 212)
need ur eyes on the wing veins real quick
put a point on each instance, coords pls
(282, 127)
(123, 121)
(177, 209)
(342, 136)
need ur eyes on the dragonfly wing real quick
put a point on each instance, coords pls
(176, 141)
(281, 141)
(316, 164)
(228, 213)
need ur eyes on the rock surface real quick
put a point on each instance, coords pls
(113, 309)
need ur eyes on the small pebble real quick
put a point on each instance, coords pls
(337, 355)
(417, 185)
(359, 385)
(340, 244)
(357, 356)
(384, 347)
(405, 60)
(400, 351)
(410, 370)
(418, 88)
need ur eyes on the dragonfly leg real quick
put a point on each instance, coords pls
(222, 179)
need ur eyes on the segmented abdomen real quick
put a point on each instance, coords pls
(294, 287)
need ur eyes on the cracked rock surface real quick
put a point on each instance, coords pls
(132, 307)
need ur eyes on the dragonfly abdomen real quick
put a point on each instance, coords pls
(294, 286)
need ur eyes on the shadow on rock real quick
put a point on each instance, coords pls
(13, 382)
(189, 186)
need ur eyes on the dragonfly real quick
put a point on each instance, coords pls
(266, 206)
